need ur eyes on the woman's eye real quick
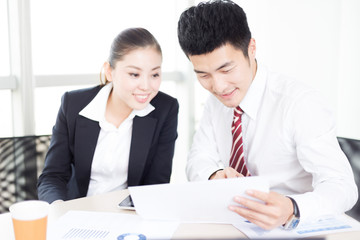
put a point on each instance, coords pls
(156, 75)
(134, 75)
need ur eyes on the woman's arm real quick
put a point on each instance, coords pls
(162, 156)
(57, 170)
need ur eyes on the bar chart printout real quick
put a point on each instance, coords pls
(81, 225)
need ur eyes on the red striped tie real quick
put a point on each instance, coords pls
(237, 160)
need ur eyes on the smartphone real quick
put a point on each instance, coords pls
(127, 204)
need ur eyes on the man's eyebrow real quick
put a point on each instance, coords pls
(225, 65)
(222, 66)
(199, 72)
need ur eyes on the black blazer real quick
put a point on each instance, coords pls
(66, 174)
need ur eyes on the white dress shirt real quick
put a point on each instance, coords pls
(289, 137)
(109, 169)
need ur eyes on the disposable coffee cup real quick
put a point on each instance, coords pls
(30, 219)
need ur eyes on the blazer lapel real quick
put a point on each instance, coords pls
(142, 136)
(86, 136)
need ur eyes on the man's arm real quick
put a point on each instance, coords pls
(203, 158)
(312, 128)
(319, 153)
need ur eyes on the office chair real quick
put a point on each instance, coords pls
(21, 161)
(351, 148)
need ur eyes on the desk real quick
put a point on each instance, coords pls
(108, 203)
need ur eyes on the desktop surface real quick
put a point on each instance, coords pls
(109, 203)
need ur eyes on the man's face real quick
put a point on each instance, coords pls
(226, 72)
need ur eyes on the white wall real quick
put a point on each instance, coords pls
(348, 81)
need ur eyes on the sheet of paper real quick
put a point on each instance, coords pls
(81, 225)
(321, 226)
(6, 227)
(205, 201)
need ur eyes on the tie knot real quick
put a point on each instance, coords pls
(238, 111)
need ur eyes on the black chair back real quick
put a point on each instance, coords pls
(21, 161)
(351, 148)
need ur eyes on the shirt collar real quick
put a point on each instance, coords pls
(95, 110)
(252, 100)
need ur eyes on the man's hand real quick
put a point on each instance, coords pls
(274, 213)
(57, 201)
(228, 172)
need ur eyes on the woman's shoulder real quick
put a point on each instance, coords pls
(163, 99)
(83, 92)
(75, 100)
(164, 104)
(163, 96)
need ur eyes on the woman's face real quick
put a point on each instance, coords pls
(136, 78)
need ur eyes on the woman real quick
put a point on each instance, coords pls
(119, 134)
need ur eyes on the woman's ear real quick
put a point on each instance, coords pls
(107, 71)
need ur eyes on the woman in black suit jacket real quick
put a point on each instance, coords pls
(81, 142)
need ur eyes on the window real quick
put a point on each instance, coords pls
(4, 40)
(6, 114)
(75, 36)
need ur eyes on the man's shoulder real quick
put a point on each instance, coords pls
(291, 93)
(286, 86)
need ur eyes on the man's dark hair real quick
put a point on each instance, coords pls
(212, 24)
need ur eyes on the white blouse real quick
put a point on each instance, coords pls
(109, 169)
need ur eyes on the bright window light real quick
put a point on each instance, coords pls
(4, 40)
(75, 36)
(5, 109)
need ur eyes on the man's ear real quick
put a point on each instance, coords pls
(252, 48)
(107, 71)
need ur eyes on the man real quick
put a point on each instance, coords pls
(259, 123)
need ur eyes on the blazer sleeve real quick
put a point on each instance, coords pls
(52, 183)
(163, 150)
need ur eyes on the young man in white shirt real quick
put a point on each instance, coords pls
(288, 132)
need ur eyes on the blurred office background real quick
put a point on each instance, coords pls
(48, 47)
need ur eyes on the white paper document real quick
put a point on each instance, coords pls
(79, 225)
(205, 201)
(322, 226)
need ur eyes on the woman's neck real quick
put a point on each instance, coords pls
(116, 110)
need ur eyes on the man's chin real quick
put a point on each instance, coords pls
(229, 104)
